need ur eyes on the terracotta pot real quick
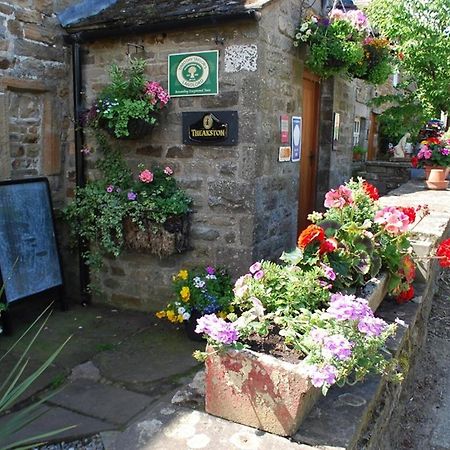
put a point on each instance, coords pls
(429, 168)
(436, 179)
(258, 390)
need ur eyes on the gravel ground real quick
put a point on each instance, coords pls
(415, 422)
(89, 443)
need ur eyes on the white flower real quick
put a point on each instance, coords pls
(181, 310)
(314, 19)
(186, 316)
(295, 44)
(400, 322)
(211, 277)
(304, 27)
(298, 36)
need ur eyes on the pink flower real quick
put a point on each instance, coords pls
(424, 152)
(445, 151)
(110, 188)
(255, 268)
(168, 171)
(338, 199)
(146, 176)
(258, 275)
(392, 219)
(357, 19)
(337, 14)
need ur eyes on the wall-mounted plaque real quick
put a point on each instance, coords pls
(210, 128)
(194, 73)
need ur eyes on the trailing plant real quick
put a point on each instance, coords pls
(99, 209)
(128, 96)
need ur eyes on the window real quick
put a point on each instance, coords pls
(356, 131)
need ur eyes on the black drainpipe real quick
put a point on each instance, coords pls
(80, 178)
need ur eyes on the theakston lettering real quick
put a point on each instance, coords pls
(209, 133)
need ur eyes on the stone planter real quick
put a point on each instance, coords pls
(258, 390)
(262, 391)
(158, 239)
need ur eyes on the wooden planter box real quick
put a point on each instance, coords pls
(262, 391)
(158, 239)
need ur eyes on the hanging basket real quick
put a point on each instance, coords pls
(158, 239)
(137, 129)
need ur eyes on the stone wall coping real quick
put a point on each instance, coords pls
(399, 164)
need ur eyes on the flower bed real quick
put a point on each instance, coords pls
(310, 302)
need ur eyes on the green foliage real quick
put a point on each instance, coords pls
(15, 384)
(420, 30)
(99, 209)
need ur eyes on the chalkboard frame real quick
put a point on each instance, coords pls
(58, 287)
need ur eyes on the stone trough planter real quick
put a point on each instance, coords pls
(262, 391)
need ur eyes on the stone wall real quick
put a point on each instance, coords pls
(387, 175)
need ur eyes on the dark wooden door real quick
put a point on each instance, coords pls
(310, 142)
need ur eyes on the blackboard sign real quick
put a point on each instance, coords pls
(29, 258)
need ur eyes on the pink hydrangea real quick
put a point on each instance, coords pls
(392, 219)
(146, 176)
(338, 198)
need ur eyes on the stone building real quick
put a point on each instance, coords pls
(247, 204)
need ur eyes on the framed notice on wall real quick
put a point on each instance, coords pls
(296, 139)
(193, 74)
(29, 257)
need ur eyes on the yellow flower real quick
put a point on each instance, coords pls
(160, 314)
(183, 274)
(171, 315)
(222, 314)
(180, 318)
(185, 293)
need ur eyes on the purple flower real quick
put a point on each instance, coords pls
(132, 196)
(110, 188)
(324, 375)
(210, 270)
(318, 335)
(86, 150)
(255, 268)
(338, 346)
(217, 329)
(258, 275)
(329, 272)
(445, 151)
(372, 326)
(348, 307)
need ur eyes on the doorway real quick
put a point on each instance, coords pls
(372, 148)
(310, 144)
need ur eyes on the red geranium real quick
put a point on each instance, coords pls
(328, 246)
(408, 269)
(414, 161)
(310, 234)
(405, 296)
(410, 212)
(371, 190)
(433, 140)
(443, 252)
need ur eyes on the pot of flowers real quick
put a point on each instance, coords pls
(129, 106)
(377, 64)
(434, 153)
(309, 314)
(334, 43)
(199, 291)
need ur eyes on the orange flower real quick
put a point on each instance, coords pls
(310, 234)
(409, 268)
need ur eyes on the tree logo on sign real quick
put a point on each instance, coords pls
(192, 72)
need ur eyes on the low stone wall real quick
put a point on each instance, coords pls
(386, 175)
(358, 417)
